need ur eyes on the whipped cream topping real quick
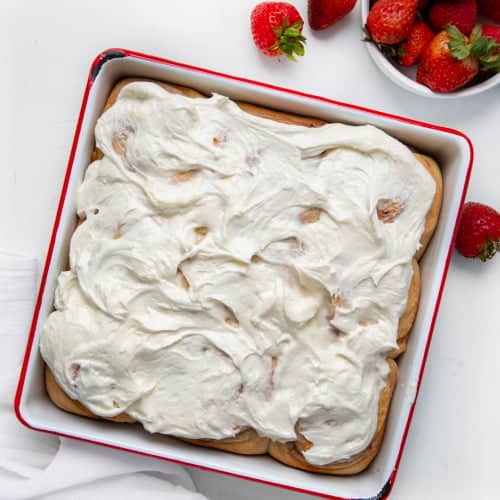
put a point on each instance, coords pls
(236, 272)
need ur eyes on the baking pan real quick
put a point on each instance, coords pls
(454, 153)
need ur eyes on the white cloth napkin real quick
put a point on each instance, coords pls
(35, 465)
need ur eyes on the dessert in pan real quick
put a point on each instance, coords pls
(241, 278)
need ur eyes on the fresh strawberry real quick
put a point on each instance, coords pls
(451, 59)
(479, 231)
(410, 51)
(277, 29)
(490, 8)
(390, 21)
(324, 13)
(440, 70)
(461, 13)
(422, 5)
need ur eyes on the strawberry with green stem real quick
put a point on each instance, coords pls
(277, 29)
(479, 232)
(451, 59)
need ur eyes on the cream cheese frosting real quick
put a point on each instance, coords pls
(234, 272)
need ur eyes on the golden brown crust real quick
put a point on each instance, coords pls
(433, 214)
(408, 317)
(64, 402)
(279, 116)
(175, 89)
(289, 454)
(248, 442)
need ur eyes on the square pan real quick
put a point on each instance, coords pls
(454, 153)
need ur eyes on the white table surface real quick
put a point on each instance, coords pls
(45, 51)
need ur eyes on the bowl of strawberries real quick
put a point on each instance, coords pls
(435, 48)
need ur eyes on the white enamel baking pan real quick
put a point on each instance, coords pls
(452, 149)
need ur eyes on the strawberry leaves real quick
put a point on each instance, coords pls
(290, 40)
(277, 29)
(484, 49)
(458, 44)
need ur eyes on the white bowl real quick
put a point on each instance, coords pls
(405, 77)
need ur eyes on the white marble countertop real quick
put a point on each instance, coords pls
(46, 49)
